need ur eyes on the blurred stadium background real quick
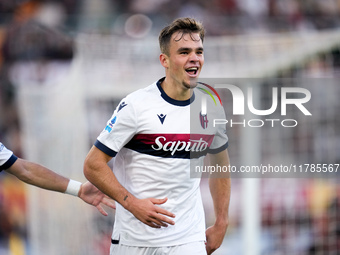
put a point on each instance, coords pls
(64, 66)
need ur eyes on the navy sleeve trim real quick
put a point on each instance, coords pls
(217, 150)
(9, 162)
(105, 149)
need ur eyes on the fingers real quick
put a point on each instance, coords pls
(157, 223)
(101, 210)
(154, 216)
(109, 202)
(152, 224)
(158, 201)
(161, 210)
(157, 220)
(165, 212)
(209, 249)
(160, 216)
(162, 213)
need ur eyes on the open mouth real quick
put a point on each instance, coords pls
(192, 70)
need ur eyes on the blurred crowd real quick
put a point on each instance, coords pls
(43, 30)
(228, 17)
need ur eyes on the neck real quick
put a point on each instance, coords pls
(176, 91)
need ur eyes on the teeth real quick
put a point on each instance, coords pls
(192, 69)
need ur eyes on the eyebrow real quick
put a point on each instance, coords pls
(189, 49)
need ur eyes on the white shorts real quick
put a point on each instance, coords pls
(197, 248)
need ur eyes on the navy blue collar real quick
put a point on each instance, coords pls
(171, 100)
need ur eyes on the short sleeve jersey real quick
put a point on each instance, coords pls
(7, 158)
(154, 140)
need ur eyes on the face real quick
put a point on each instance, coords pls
(185, 60)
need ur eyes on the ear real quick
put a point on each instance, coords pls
(164, 59)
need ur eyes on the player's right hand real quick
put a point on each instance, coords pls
(147, 211)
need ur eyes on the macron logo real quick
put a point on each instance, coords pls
(161, 117)
(121, 106)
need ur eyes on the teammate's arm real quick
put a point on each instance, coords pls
(100, 174)
(42, 177)
(219, 185)
(38, 175)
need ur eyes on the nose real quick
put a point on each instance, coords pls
(194, 57)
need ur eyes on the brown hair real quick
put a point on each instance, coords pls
(184, 25)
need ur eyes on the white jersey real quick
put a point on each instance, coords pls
(7, 158)
(154, 141)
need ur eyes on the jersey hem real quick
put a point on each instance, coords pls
(135, 244)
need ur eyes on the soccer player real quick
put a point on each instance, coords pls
(40, 176)
(156, 135)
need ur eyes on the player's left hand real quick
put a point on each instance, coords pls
(214, 235)
(93, 196)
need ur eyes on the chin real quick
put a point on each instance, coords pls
(191, 84)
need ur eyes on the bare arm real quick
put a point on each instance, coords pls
(38, 175)
(100, 174)
(220, 187)
(42, 177)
